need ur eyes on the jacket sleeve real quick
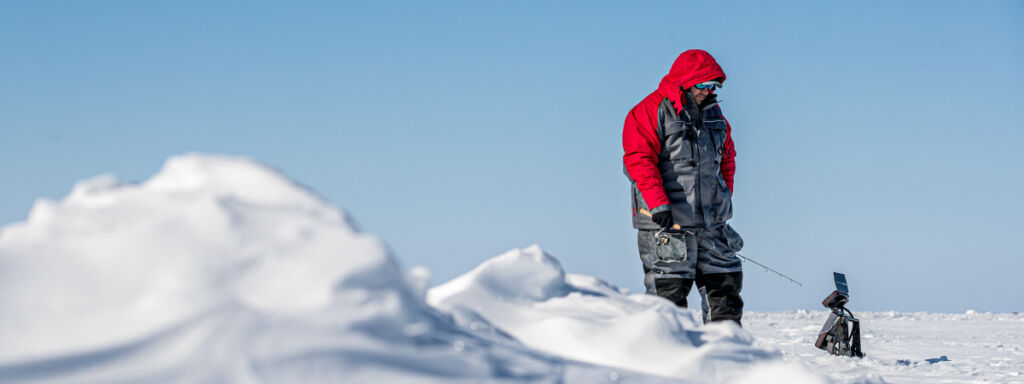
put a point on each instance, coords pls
(728, 158)
(642, 145)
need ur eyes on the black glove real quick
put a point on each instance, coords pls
(663, 218)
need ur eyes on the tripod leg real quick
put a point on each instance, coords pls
(855, 339)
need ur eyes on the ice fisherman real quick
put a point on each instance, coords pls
(680, 160)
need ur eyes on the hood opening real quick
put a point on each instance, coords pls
(690, 68)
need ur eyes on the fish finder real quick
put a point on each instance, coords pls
(841, 333)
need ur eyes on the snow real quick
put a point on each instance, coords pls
(220, 269)
(905, 347)
(526, 293)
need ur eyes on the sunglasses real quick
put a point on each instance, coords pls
(708, 85)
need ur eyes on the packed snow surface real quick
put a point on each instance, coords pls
(904, 347)
(219, 269)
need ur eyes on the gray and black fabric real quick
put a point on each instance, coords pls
(723, 296)
(680, 254)
(692, 145)
(705, 308)
(674, 261)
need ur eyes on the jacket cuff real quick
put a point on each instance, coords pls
(661, 208)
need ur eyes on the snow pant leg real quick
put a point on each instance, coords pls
(720, 272)
(723, 295)
(668, 270)
(716, 250)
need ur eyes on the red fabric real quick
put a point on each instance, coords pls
(640, 132)
(642, 145)
(690, 68)
(728, 166)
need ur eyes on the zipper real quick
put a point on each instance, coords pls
(696, 154)
(700, 196)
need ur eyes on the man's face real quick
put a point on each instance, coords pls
(699, 94)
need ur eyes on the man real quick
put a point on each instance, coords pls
(680, 160)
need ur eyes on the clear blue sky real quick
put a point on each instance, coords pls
(876, 138)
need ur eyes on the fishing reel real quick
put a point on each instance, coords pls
(841, 333)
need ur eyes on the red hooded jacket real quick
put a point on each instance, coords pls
(640, 134)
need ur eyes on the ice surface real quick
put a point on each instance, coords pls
(904, 347)
(219, 269)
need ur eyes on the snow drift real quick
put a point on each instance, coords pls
(526, 293)
(218, 269)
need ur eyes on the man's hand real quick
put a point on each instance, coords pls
(663, 218)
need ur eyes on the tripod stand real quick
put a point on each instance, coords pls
(841, 333)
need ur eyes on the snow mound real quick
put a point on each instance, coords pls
(527, 274)
(526, 293)
(219, 269)
(205, 231)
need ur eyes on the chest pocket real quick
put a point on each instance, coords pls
(675, 140)
(718, 131)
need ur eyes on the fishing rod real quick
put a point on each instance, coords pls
(769, 269)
